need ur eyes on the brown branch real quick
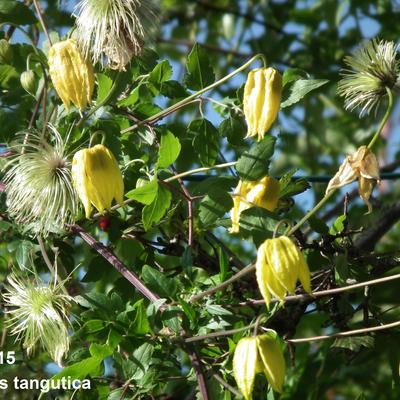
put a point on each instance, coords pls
(198, 369)
(115, 262)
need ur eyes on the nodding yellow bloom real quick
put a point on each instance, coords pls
(97, 178)
(280, 264)
(261, 100)
(259, 354)
(72, 75)
(263, 193)
(362, 165)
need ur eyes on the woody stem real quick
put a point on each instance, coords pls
(163, 113)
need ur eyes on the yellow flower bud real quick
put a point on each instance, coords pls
(259, 354)
(261, 100)
(72, 75)
(362, 165)
(263, 193)
(271, 355)
(97, 178)
(245, 365)
(279, 266)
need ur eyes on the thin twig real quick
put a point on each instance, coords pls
(323, 293)
(345, 334)
(41, 20)
(115, 262)
(245, 271)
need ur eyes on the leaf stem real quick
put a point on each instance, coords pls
(384, 119)
(194, 96)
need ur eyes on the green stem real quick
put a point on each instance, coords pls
(103, 102)
(194, 96)
(385, 118)
(370, 145)
(197, 170)
(310, 213)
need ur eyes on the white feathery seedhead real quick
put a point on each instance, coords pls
(116, 29)
(372, 68)
(38, 315)
(40, 194)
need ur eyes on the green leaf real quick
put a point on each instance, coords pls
(170, 148)
(258, 219)
(214, 206)
(141, 359)
(300, 88)
(104, 85)
(223, 263)
(199, 70)
(144, 194)
(8, 76)
(354, 343)
(16, 13)
(292, 74)
(254, 163)
(289, 187)
(206, 141)
(153, 212)
(339, 225)
(161, 73)
(173, 90)
(158, 282)
(233, 129)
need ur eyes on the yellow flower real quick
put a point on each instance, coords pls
(97, 178)
(279, 266)
(261, 100)
(259, 354)
(72, 75)
(263, 193)
(362, 165)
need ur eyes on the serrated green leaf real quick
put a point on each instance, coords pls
(161, 73)
(254, 163)
(170, 147)
(153, 212)
(199, 70)
(144, 194)
(292, 74)
(206, 141)
(158, 282)
(301, 88)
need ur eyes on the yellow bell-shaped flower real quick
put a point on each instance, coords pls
(261, 100)
(71, 74)
(263, 193)
(97, 178)
(259, 354)
(280, 264)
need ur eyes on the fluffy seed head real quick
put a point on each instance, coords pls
(116, 29)
(38, 315)
(372, 69)
(40, 194)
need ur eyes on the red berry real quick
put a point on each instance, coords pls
(104, 223)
